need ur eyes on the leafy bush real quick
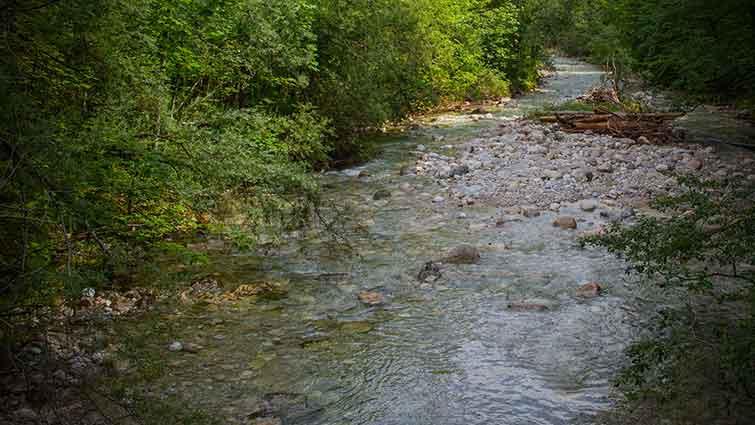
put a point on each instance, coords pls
(695, 365)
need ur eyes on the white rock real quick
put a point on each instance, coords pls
(589, 205)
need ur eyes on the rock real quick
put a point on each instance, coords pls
(356, 327)
(26, 415)
(605, 167)
(589, 205)
(463, 254)
(693, 164)
(381, 194)
(363, 173)
(530, 212)
(503, 220)
(370, 298)
(458, 171)
(537, 150)
(406, 187)
(552, 174)
(583, 175)
(272, 290)
(528, 306)
(205, 288)
(662, 168)
(565, 222)
(266, 421)
(430, 272)
(192, 348)
(421, 148)
(176, 346)
(589, 290)
(439, 200)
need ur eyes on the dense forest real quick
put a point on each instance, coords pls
(127, 125)
(125, 122)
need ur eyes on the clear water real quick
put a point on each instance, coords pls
(441, 354)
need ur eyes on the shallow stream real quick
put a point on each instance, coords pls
(440, 354)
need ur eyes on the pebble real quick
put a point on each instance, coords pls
(439, 199)
(176, 346)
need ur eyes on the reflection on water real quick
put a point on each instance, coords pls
(447, 353)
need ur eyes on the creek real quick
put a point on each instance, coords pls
(436, 354)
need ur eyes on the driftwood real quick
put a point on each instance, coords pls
(653, 126)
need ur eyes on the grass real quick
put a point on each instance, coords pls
(572, 106)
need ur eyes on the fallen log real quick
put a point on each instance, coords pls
(654, 126)
(593, 117)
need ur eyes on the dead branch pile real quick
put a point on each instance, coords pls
(600, 95)
(656, 127)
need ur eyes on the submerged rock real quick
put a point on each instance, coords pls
(202, 289)
(589, 290)
(370, 298)
(359, 327)
(381, 194)
(463, 254)
(267, 421)
(268, 290)
(528, 306)
(430, 272)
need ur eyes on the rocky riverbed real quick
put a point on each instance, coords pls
(521, 163)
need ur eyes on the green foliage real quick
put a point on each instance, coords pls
(695, 363)
(709, 233)
(128, 123)
(700, 47)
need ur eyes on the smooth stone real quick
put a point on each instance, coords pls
(370, 298)
(439, 199)
(565, 222)
(605, 167)
(463, 254)
(381, 194)
(176, 346)
(588, 205)
(530, 212)
(589, 290)
(267, 421)
(693, 164)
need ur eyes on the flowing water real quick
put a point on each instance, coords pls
(446, 353)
